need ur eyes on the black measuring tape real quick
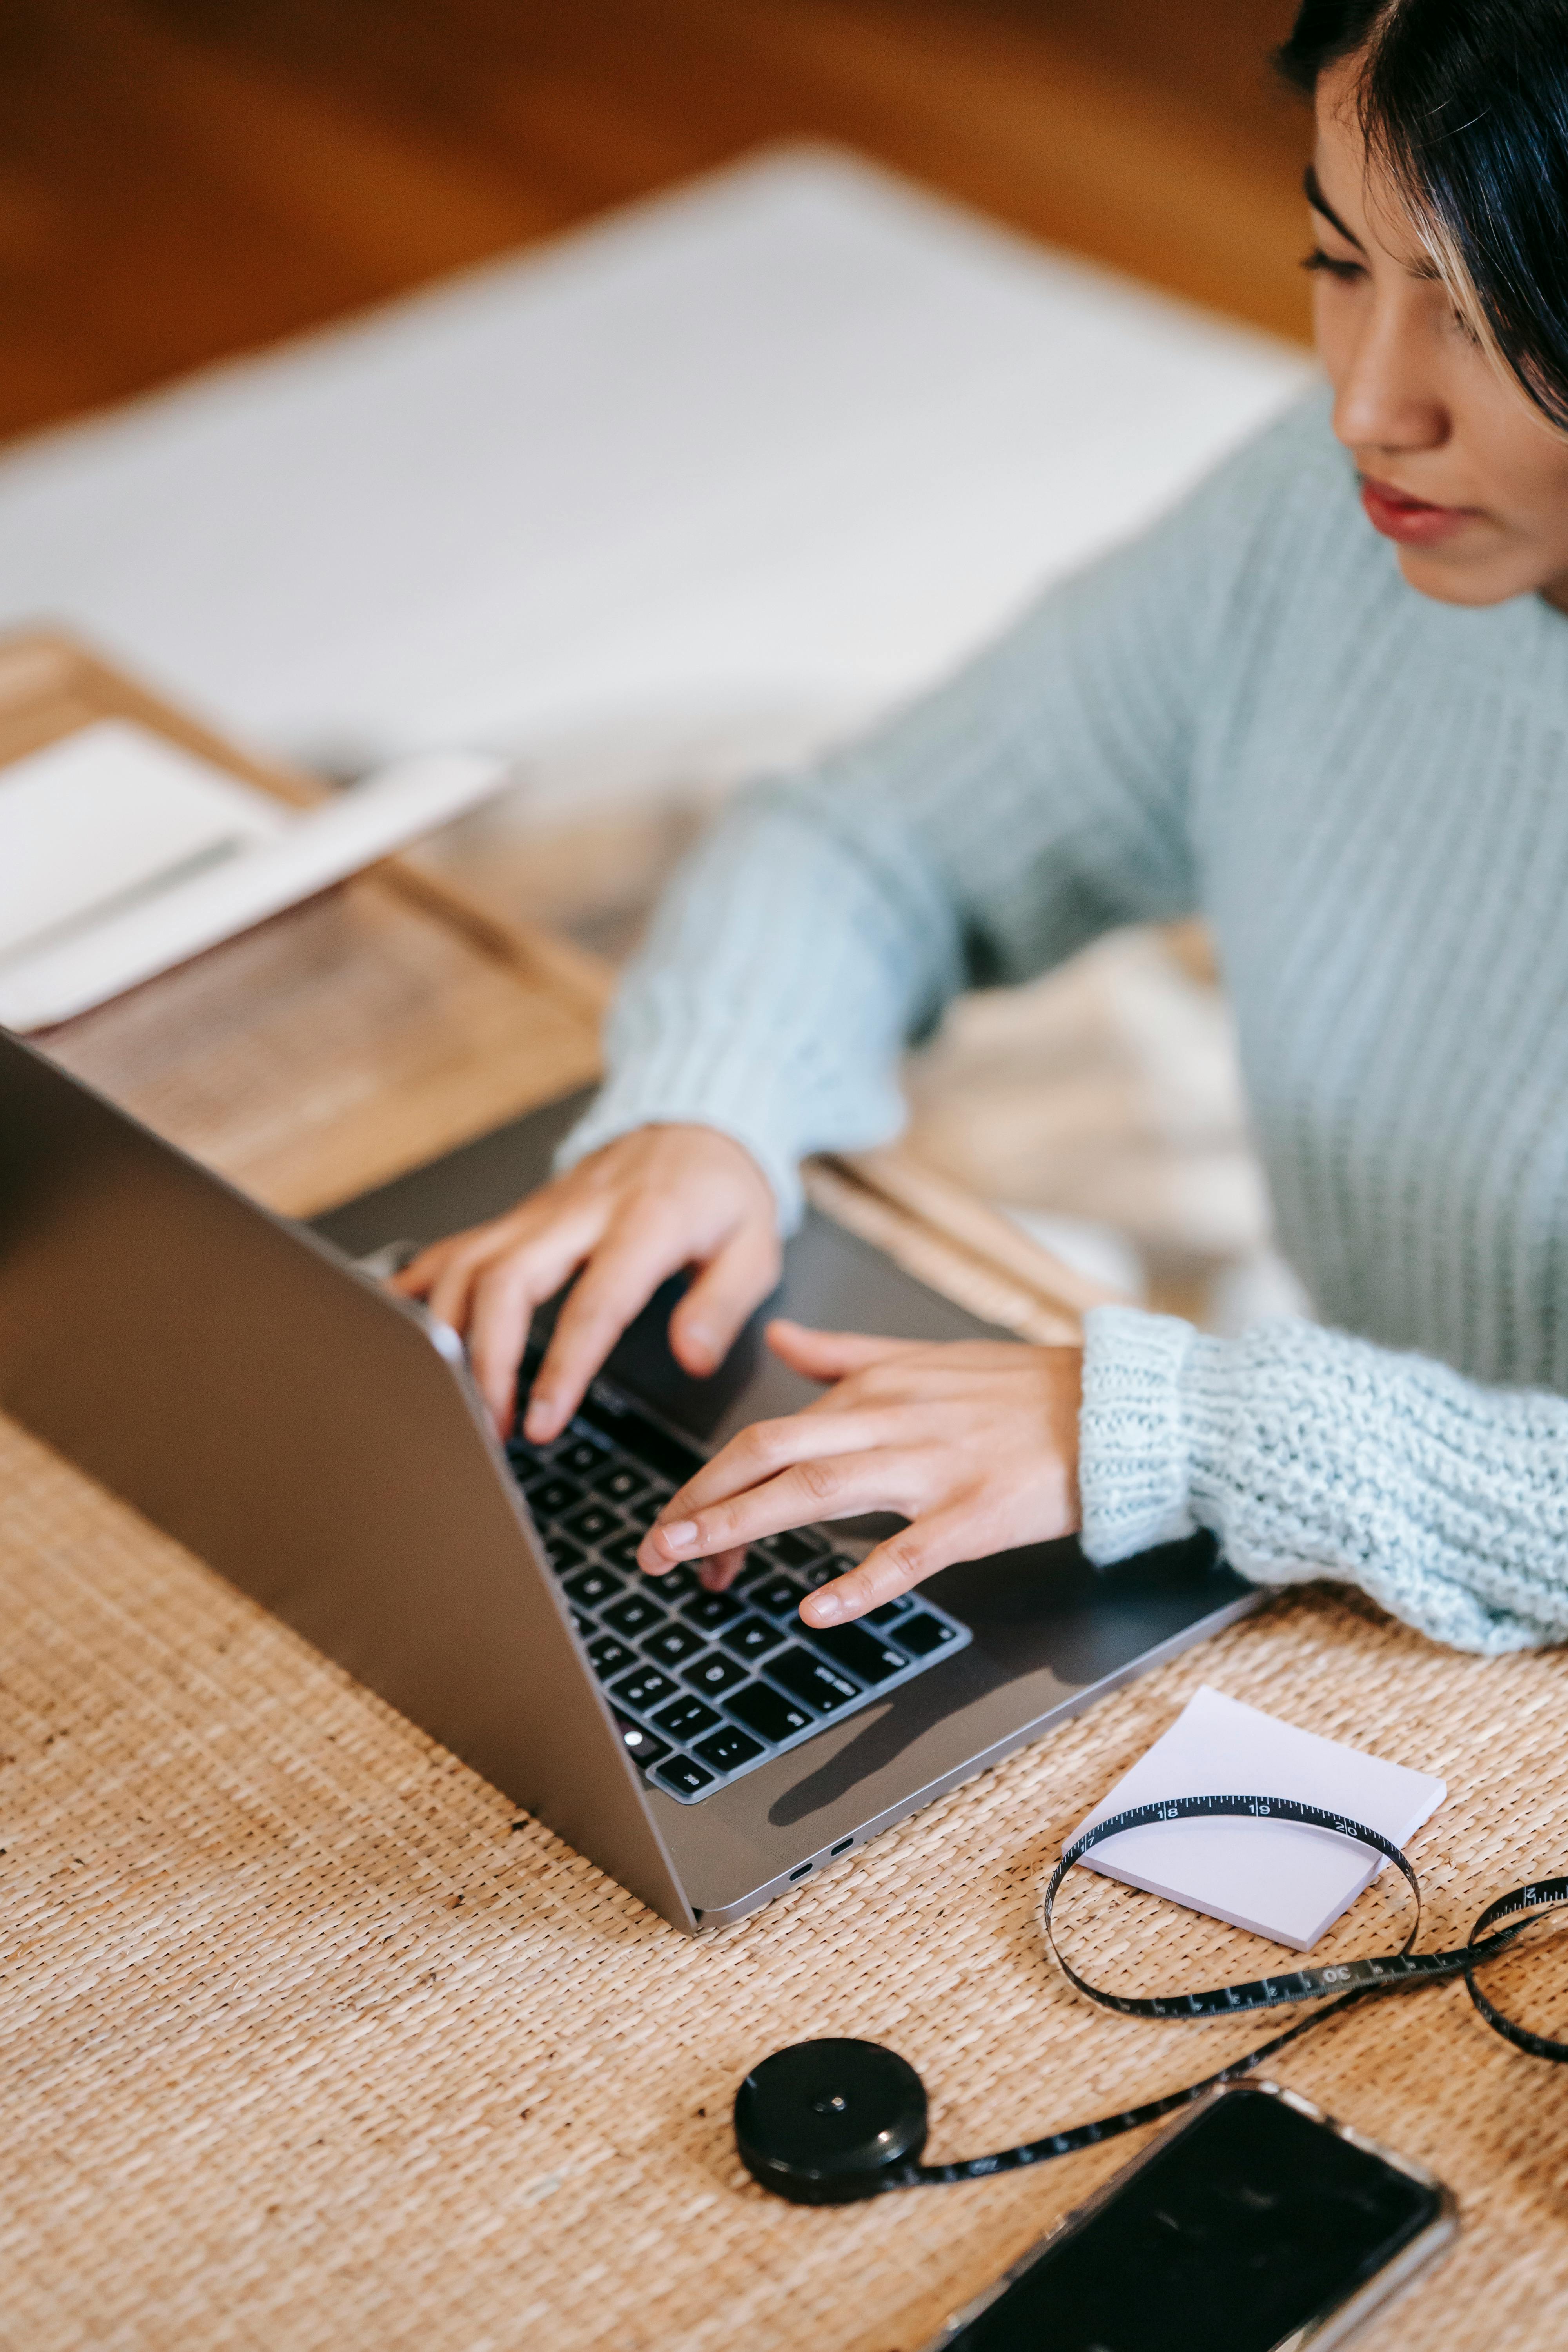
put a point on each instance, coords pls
(824, 2123)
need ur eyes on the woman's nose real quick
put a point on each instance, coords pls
(1387, 396)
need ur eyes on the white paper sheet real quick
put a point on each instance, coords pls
(692, 489)
(106, 813)
(120, 855)
(1280, 1880)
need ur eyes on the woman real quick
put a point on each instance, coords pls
(1326, 704)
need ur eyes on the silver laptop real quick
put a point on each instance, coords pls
(249, 1385)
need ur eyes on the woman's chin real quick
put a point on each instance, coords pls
(1449, 577)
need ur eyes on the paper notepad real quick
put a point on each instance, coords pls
(1282, 1880)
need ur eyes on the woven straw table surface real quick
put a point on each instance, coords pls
(309, 2040)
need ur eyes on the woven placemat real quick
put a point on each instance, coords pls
(310, 2041)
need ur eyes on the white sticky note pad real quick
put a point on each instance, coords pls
(1282, 1880)
(113, 810)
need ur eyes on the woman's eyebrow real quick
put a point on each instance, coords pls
(1320, 203)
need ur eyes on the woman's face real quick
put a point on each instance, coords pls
(1457, 466)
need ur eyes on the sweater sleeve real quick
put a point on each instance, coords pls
(1310, 1453)
(1035, 801)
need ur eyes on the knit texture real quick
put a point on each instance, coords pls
(1249, 714)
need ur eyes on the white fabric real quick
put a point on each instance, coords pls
(700, 484)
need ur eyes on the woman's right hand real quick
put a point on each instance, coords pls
(644, 1207)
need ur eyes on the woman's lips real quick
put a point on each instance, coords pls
(1411, 521)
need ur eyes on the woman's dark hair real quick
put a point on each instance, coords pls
(1465, 103)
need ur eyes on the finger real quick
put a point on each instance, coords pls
(705, 1325)
(812, 1490)
(449, 1295)
(426, 1268)
(717, 1575)
(413, 1280)
(769, 1447)
(830, 1355)
(618, 1282)
(551, 1248)
(499, 1312)
(916, 1552)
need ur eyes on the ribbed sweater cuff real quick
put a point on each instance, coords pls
(1134, 1438)
(731, 1089)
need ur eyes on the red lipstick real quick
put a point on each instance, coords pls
(1413, 522)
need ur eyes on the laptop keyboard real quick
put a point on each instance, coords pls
(705, 1685)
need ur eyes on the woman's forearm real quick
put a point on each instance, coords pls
(771, 1001)
(1030, 802)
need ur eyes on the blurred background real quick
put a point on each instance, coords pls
(656, 390)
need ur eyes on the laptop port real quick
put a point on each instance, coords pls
(801, 1871)
(842, 1847)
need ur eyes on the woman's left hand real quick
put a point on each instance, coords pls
(974, 1443)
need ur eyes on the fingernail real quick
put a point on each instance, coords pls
(826, 1609)
(677, 1537)
(537, 1426)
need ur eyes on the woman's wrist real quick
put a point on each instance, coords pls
(1134, 1445)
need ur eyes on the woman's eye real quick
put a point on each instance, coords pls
(1331, 266)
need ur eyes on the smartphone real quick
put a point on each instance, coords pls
(1253, 2224)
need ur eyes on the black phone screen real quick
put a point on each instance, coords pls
(1244, 2226)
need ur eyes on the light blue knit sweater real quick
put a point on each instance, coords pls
(1247, 713)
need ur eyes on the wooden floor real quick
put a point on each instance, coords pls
(184, 179)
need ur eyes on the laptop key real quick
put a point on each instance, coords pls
(610, 1656)
(579, 1455)
(769, 1713)
(711, 1610)
(891, 1611)
(678, 1583)
(781, 1596)
(635, 1613)
(923, 1633)
(647, 1687)
(821, 1687)
(645, 1745)
(687, 1718)
(595, 1523)
(753, 1637)
(683, 1776)
(620, 1482)
(727, 1748)
(623, 1552)
(850, 1645)
(583, 1625)
(593, 1585)
(673, 1644)
(716, 1674)
(564, 1556)
(551, 1498)
(796, 1549)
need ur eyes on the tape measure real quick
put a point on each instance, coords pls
(826, 2123)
